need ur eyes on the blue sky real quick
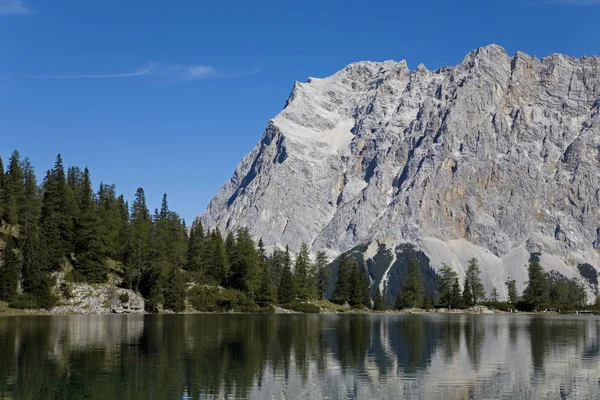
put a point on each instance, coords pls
(170, 95)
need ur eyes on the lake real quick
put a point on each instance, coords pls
(300, 357)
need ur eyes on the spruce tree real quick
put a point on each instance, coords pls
(474, 291)
(9, 272)
(140, 235)
(36, 279)
(286, 292)
(494, 295)
(266, 292)
(323, 274)
(13, 190)
(537, 290)
(341, 293)
(217, 263)
(379, 303)
(245, 268)
(456, 296)
(411, 293)
(301, 273)
(1, 190)
(513, 296)
(355, 291)
(448, 280)
(174, 290)
(365, 286)
(196, 247)
(109, 214)
(230, 245)
(31, 207)
(87, 247)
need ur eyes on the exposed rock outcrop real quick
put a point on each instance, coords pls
(495, 158)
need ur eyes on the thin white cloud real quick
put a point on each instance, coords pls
(14, 7)
(166, 72)
(139, 72)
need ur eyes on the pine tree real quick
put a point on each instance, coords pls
(341, 293)
(323, 274)
(35, 277)
(266, 292)
(196, 245)
(174, 290)
(230, 245)
(301, 275)
(513, 296)
(286, 292)
(110, 214)
(456, 297)
(364, 287)
(245, 268)
(1, 190)
(140, 232)
(474, 291)
(447, 281)
(13, 190)
(31, 207)
(89, 258)
(494, 295)
(9, 272)
(355, 296)
(411, 293)
(537, 290)
(217, 264)
(379, 303)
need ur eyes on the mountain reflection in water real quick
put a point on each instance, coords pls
(299, 357)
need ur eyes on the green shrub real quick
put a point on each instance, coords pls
(268, 309)
(306, 308)
(124, 297)
(214, 299)
(24, 302)
(78, 277)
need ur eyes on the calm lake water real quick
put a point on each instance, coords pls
(300, 357)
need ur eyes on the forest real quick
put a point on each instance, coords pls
(64, 225)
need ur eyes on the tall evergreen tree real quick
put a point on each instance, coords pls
(301, 273)
(89, 258)
(341, 293)
(217, 264)
(109, 214)
(9, 272)
(196, 247)
(36, 279)
(411, 293)
(286, 292)
(323, 274)
(266, 292)
(1, 190)
(513, 296)
(174, 290)
(537, 290)
(31, 207)
(379, 303)
(245, 268)
(474, 291)
(447, 283)
(494, 295)
(365, 286)
(13, 190)
(138, 259)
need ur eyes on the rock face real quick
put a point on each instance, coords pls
(495, 158)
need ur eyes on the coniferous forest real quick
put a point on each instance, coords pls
(62, 225)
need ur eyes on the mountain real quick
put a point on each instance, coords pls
(497, 158)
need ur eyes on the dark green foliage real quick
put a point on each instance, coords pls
(2, 206)
(196, 246)
(87, 246)
(343, 285)
(494, 295)
(323, 274)
(24, 302)
(473, 291)
(537, 290)
(286, 292)
(12, 190)
(244, 274)
(448, 288)
(216, 299)
(174, 291)
(378, 303)
(140, 235)
(9, 272)
(513, 296)
(217, 260)
(567, 295)
(31, 208)
(301, 274)
(266, 292)
(411, 293)
(302, 307)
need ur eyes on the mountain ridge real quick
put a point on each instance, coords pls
(495, 158)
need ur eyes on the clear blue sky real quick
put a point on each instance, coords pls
(169, 95)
